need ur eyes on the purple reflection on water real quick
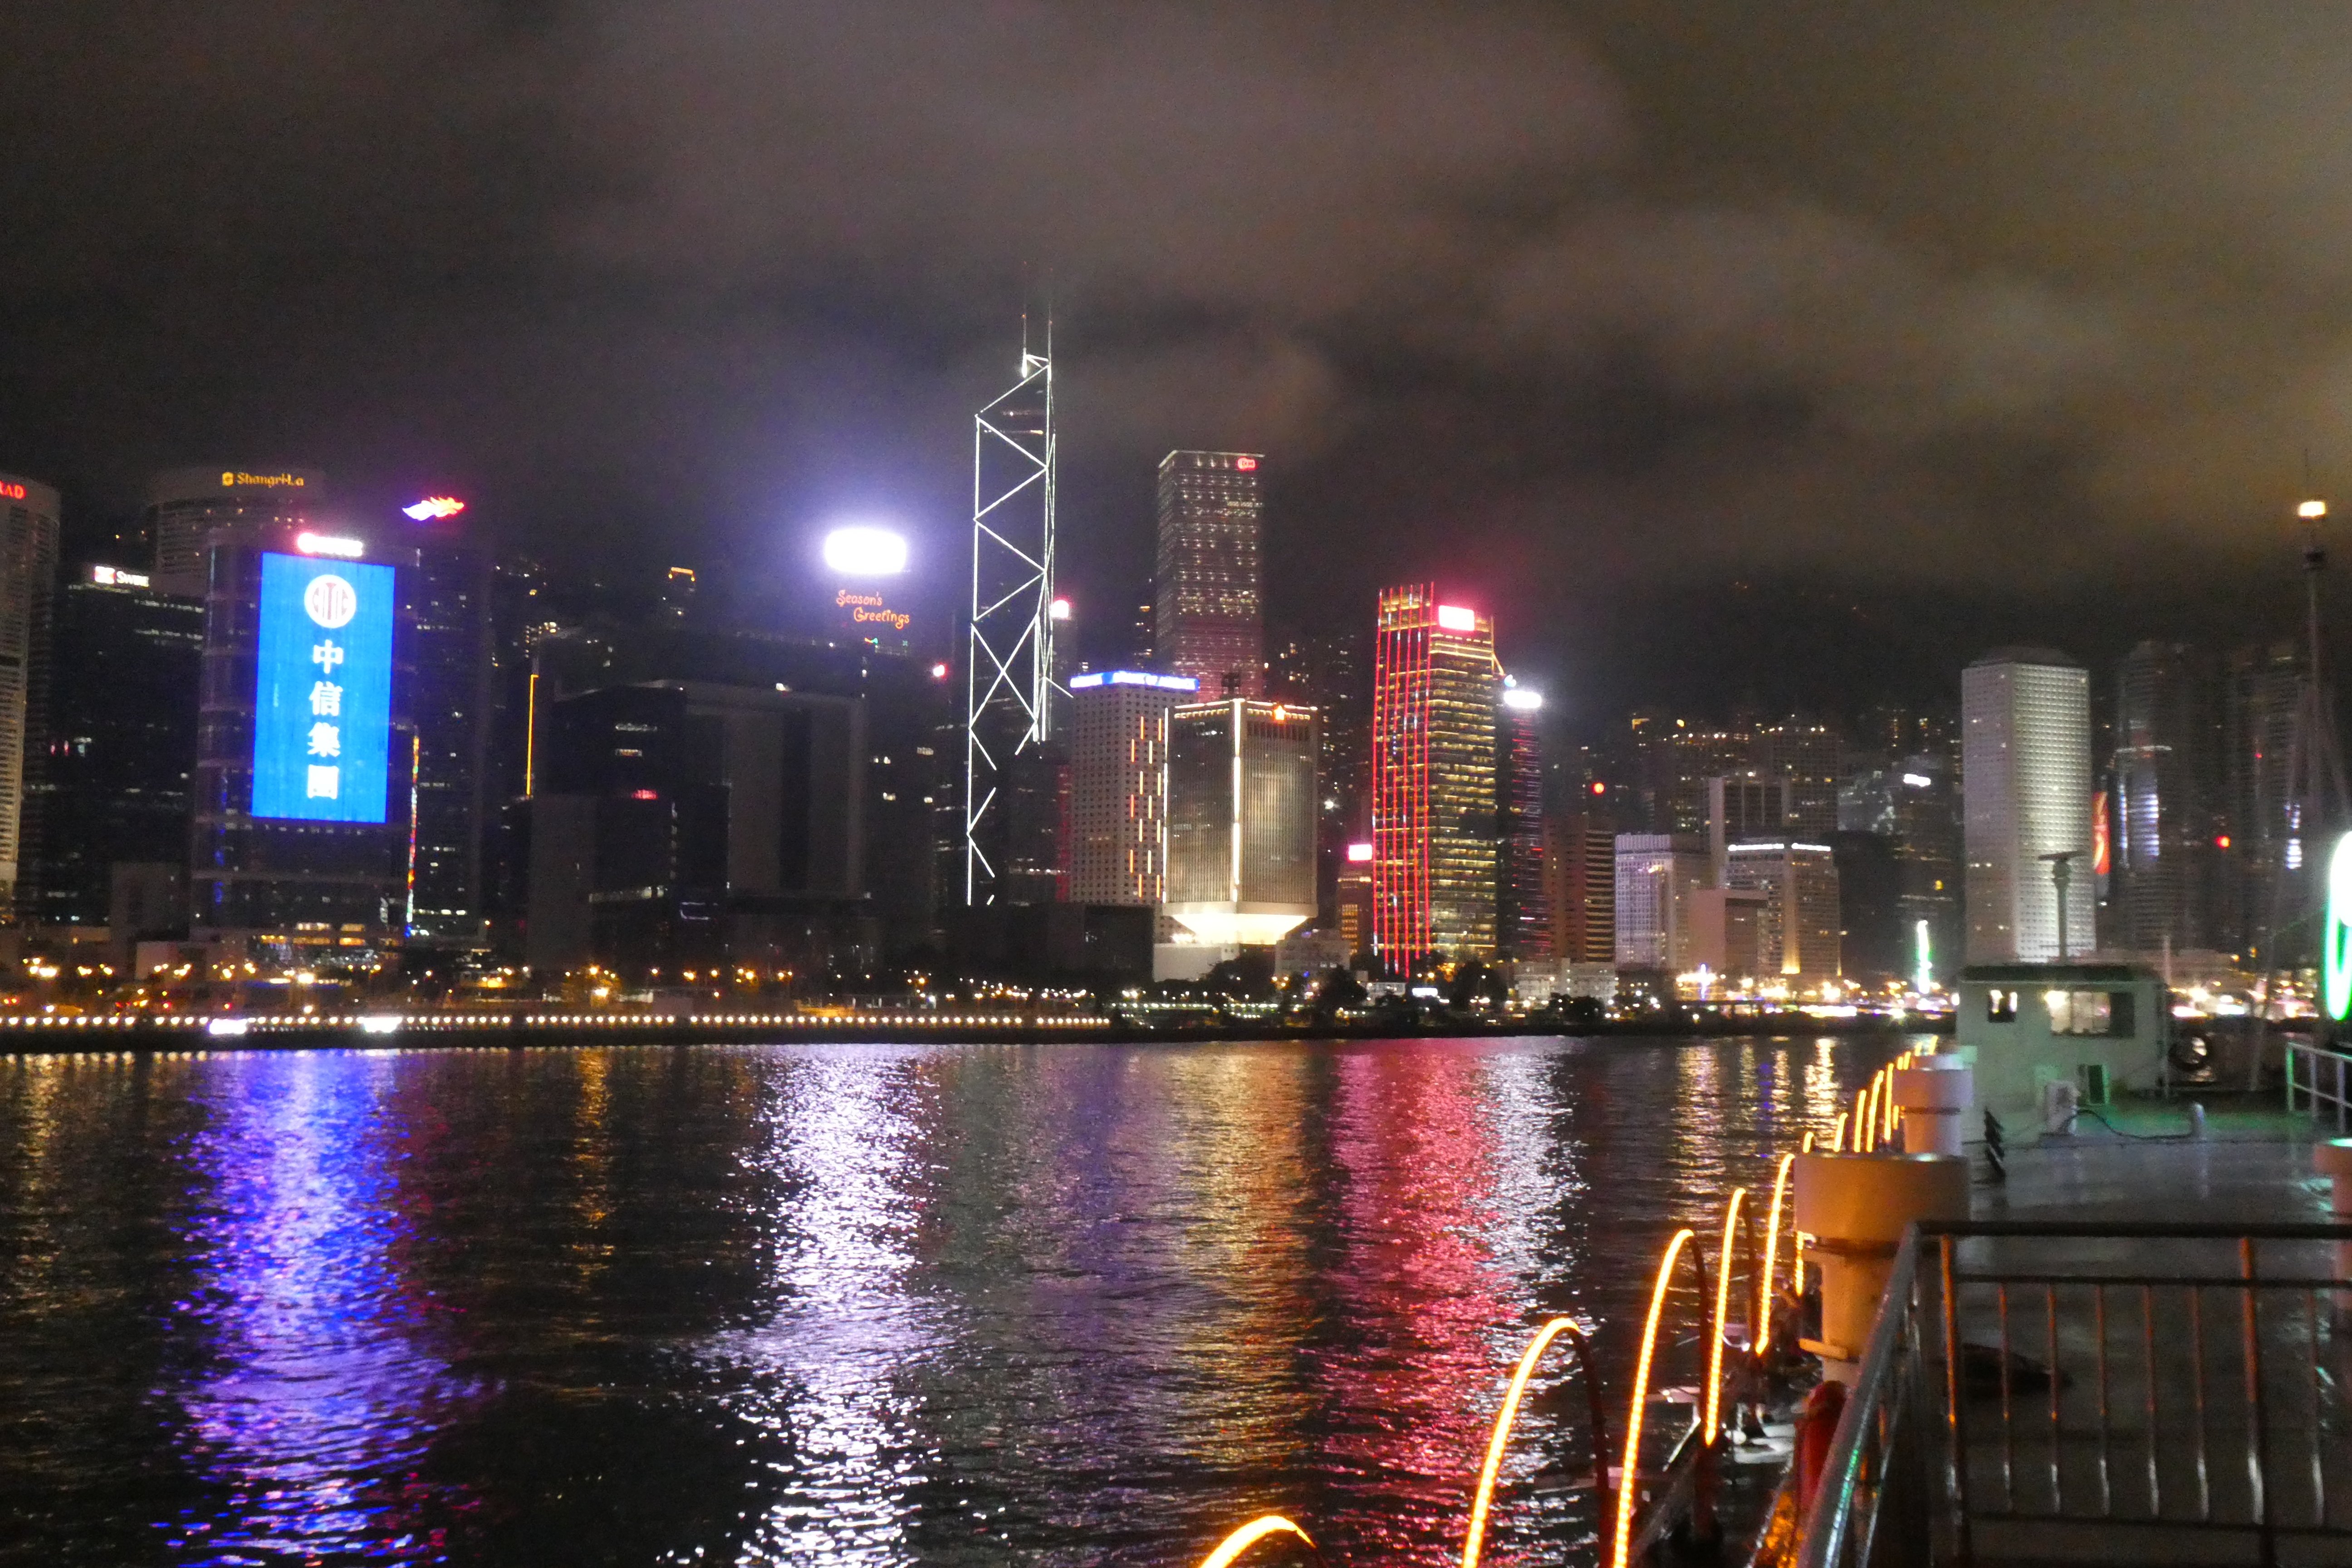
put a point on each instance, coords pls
(322, 1392)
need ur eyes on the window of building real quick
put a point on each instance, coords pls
(2104, 1013)
(2000, 1006)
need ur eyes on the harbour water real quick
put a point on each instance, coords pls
(854, 1304)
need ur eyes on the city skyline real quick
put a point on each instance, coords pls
(1707, 341)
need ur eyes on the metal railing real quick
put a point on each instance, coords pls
(2319, 1064)
(2031, 1386)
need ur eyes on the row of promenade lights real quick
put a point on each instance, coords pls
(1920, 1097)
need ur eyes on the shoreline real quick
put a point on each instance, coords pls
(85, 1035)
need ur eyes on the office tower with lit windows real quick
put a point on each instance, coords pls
(447, 597)
(1581, 887)
(2026, 755)
(28, 574)
(2261, 688)
(1797, 936)
(1211, 583)
(1809, 756)
(1749, 804)
(1657, 875)
(121, 743)
(1435, 689)
(306, 756)
(1926, 814)
(1332, 673)
(1674, 759)
(1522, 912)
(1241, 829)
(1355, 901)
(187, 506)
(2164, 818)
(1118, 788)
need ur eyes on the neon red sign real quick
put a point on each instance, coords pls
(14, 492)
(1246, 464)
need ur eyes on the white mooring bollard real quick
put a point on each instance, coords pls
(1856, 1207)
(1934, 1094)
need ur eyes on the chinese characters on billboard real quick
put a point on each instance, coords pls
(322, 689)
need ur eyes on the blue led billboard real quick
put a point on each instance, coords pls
(322, 689)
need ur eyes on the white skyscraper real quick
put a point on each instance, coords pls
(1656, 874)
(1118, 784)
(2025, 768)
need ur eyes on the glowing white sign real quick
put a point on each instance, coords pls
(865, 553)
(1455, 618)
(327, 544)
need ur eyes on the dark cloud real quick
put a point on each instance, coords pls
(1603, 309)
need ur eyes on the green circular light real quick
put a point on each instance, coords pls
(2335, 936)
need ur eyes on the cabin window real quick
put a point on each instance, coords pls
(2106, 1013)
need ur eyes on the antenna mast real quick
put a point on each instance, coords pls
(1009, 664)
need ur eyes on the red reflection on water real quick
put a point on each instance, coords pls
(1406, 1391)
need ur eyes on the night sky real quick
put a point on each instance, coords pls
(1771, 352)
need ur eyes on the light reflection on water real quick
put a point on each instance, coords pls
(804, 1304)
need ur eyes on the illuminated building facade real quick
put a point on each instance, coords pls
(2260, 689)
(1749, 804)
(122, 742)
(1797, 931)
(1118, 788)
(2026, 756)
(1580, 870)
(1332, 673)
(305, 760)
(792, 909)
(1434, 685)
(1656, 874)
(1210, 583)
(452, 695)
(29, 572)
(187, 506)
(1808, 757)
(1928, 860)
(1241, 825)
(1355, 901)
(2165, 816)
(1522, 910)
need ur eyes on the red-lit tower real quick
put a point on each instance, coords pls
(1434, 682)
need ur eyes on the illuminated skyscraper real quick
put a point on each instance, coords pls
(187, 506)
(1118, 784)
(28, 573)
(1807, 755)
(1657, 873)
(2260, 693)
(1212, 579)
(1522, 913)
(446, 610)
(2168, 725)
(1797, 936)
(122, 741)
(1241, 827)
(1581, 888)
(2026, 759)
(306, 759)
(1435, 684)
